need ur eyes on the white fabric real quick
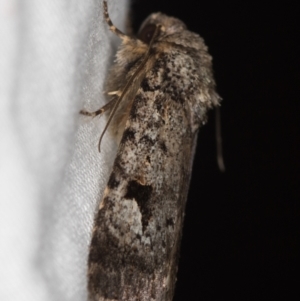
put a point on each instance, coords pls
(53, 59)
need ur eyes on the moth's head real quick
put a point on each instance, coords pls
(168, 26)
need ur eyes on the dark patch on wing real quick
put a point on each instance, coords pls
(146, 85)
(135, 106)
(158, 105)
(163, 146)
(170, 222)
(113, 182)
(166, 76)
(129, 134)
(119, 164)
(175, 93)
(141, 193)
(101, 260)
(155, 124)
(147, 140)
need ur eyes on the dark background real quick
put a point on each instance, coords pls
(241, 232)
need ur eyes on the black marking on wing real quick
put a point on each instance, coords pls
(113, 182)
(163, 146)
(170, 222)
(129, 134)
(146, 86)
(147, 140)
(141, 193)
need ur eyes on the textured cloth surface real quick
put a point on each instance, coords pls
(54, 56)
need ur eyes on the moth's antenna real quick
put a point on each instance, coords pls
(112, 27)
(220, 158)
(132, 78)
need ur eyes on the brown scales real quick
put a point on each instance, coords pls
(161, 88)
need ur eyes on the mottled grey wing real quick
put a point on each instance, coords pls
(135, 244)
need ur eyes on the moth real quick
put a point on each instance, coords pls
(160, 87)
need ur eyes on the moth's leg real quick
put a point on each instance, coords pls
(112, 27)
(100, 111)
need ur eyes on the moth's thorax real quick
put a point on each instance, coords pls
(178, 63)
